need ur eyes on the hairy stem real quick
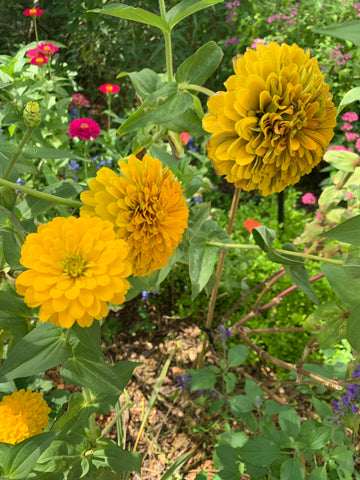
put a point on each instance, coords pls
(24, 141)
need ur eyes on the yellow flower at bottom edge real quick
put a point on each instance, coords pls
(274, 122)
(146, 207)
(75, 266)
(22, 415)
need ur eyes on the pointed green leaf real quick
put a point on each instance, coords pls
(202, 379)
(20, 459)
(186, 8)
(43, 348)
(140, 15)
(351, 96)
(145, 82)
(197, 68)
(76, 416)
(292, 469)
(349, 31)
(187, 121)
(342, 160)
(117, 458)
(289, 422)
(264, 237)
(237, 355)
(348, 231)
(260, 451)
(319, 437)
(345, 287)
(352, 266)
(353, 328)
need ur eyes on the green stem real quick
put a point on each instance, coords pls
(86, 154)
(109, 109)
(115, 419)
(92, 422)
(167, 38)
(43, 196)
(196, 88)
(36, 32)
(277, 250)
(24, 141)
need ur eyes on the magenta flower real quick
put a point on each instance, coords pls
(346, 126)
(39, 60)
(78, 100)
(109, 88)
(32, 53)
(349, 196)
(308, 199)
(357, 145)
(33, 12)
(47, 48)
(319, 216)
(350, 136)
(84, 128)
(350, 117)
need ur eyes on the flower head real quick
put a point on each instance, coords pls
(22, 415)
(47, 48)
(74, 266)
(274, 121)
(146, 207)
(32, 114)
(109, 88)
(33, 12)
(308, 199)
(350, 117)
(249, 224)
(184, 138)
(84, 128)
(78, 100)
(39, 60)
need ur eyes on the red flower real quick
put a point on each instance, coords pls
(47, 48)
(249, 224)
(32, 53)
(78, 100)
(33, 12)
(184, 138)
(84, 128)
(39, 60)
(109, 88)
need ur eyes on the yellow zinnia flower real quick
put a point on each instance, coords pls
(275, 120)
(146, 207)
(22, 415)
(75, 266)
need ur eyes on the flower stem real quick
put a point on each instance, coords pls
(290, 253)
(43, 196)
(114, 419)
(214, 292)
(92, 422)
(196, 88)
(24, 141)
(109, 109)
(36, 32)
(167, 38)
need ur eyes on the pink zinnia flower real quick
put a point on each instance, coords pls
(308, 199)
(109, 88)
(346, 126)
(349, 196)
(350, 117)
(184, 138)
(249, 224)
(32, 53)
(319, 216)
(33, 12)
(39, 60)
(340, 147)
(357, 145)
(78, 100)
(351, 136)
(84, 128)
(47, 48)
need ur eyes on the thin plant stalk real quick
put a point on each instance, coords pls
(167, 38)
(22, 144)
(92, 422)
(214, 293)
(36, 32)
(109, 110)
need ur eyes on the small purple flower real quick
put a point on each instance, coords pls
(103, 163)
(184, 380)
(224, 333)
(73, 165)
(145, 294)
(197, 199)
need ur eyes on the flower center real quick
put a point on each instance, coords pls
(84, 125)
(39, 60)
(46, 47)
(74, 265)
(109, 88)
(32, 11)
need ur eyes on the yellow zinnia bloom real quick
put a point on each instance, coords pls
(22, 415)
(275, 120)
(75, 266)
(146, 207)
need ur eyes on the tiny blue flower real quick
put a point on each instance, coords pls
(73, 165)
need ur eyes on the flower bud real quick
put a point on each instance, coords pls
(32, 115)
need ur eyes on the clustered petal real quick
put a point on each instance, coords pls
(74, 267)
(274, 121)
(47, 48)
(22, 415)
(84, 128)
(109, 88)
(146, 207)
(33, 12)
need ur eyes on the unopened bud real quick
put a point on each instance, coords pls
(32, 115)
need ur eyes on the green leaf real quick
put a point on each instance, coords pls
(319, 437)
(228, 457)
(264, 237)
(289, 422)
(349, 31)
(145, 82)
(118, 459)
(322, 408)
(319, 473)
(88, 369)
(328, 323)
(89, 337)
(165, 158)
(348, 231)
(187, 121)
(43, 348)
(136, 14)
(32, 151)
(11, 247)
(345, 287)
(353, 328)
(234, 438)
(299, 276)
(292, 469)
(158, 108)
(202, 379)
(187, 8)
(340, 159)
(352, 266)
(197, 68)
(237, 355)
(260, 451)
(76, 416)
(254, 392)
(351, 96)
(19, 460)
(240, 404)
(179, 462)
